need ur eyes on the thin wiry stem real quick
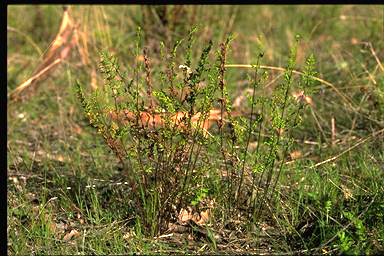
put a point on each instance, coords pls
(250, 130)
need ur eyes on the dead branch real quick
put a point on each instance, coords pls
(59, 49)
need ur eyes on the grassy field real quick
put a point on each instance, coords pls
(68, 193)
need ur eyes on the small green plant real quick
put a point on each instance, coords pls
(356, 241)
(345, 241)
(160, 134)
(159, 146)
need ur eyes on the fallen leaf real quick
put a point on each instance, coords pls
(73, 234)
(185, 215)
(295, 154)
(127, 236)
(354, 41)
(299, 96)
(14, 179)
(252, 145)
(204, 217)
(77, 129)
(346, 192)
(280, 131)
(140, 58)
(237, 101)
(178, 119)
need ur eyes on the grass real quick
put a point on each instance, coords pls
(68, 193)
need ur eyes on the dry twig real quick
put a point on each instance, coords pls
(350, 148)
(295, 72)
(57, 52)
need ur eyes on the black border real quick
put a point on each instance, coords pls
(4, 171)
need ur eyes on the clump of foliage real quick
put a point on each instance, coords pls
(157, 125)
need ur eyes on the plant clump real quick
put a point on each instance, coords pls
(167, 128)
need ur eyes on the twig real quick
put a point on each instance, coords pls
(348, 149)
(295, 72)
(29, 39)
(333, 129)
(376, 58)
(318, 123)
(55, 48)
(31, 80)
